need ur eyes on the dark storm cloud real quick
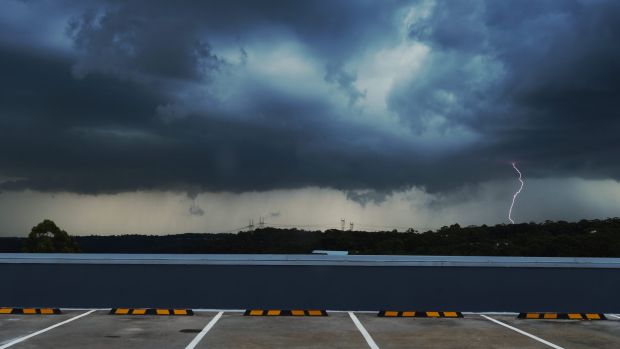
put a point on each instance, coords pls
(345, 80)
(108, 139)
(165, 39)
(123, 40)
(539, 80)
(364, 197)
(126, 107)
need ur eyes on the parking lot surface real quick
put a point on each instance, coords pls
(471, 332)
(237, 331)
(572, 334)
(12, 326)
(231, 329)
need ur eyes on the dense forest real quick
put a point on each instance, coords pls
(592, 238)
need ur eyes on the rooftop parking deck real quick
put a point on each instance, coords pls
(231, 329)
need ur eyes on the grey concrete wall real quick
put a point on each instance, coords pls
(332, 287)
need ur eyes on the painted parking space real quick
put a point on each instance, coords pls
(13, 326)
(571, 334)
(446, 333)
(101, 330)
(258, 332)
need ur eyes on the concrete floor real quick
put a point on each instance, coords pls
(100, 330)
(245, 332)
(233, 330)
(572, 334)
(470, 332)
(12, 326)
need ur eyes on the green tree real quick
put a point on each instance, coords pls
(47, 237)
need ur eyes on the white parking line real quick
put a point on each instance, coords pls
(21, 339)
(616, 316)
(522, 332)
(360, 327)
(204, 331)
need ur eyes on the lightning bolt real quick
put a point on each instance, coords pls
(514, 197)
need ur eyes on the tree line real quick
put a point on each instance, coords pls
(586, 238)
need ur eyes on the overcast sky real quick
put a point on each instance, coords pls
(168, 117)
